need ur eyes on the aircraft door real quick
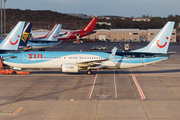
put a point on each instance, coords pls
(24, 57)
(142, 58)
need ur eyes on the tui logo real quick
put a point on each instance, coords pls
(14, 42)
(162, 46)
(56, 35)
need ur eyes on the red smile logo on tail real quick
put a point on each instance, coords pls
(12, 42)
(56, 35)
(162, 46)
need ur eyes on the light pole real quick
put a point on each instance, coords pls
(4, 18)
(1, 20)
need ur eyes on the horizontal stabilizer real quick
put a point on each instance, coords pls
(169, 53)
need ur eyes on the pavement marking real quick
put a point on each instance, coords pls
(92, 86)
(14, 113)
(115, 85)
(137, 85)
(19, 109)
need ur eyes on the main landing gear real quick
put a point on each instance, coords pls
(89, 72)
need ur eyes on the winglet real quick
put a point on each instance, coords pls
(113, 53)
(11, 42)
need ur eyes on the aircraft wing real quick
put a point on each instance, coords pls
(4, 58)
(91, 63)
(98, 62)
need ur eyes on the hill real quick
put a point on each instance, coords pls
(46, 19)
(43, 19)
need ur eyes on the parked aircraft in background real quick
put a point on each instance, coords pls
(12, 40)
(49, 40)
(10, 45)
(70, 61)
(87, 30)
(25, 36)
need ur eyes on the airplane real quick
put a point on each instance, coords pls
(49, 40)
(10, 46)
(69, 61)
(25, 36)
(87, 30)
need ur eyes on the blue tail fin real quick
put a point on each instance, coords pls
(53, 35)
(25, 34)
(11, 42)
(160, 43)
(49, 32)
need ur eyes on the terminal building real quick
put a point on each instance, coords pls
(127, 35)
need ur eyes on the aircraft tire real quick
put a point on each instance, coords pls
(14, 72)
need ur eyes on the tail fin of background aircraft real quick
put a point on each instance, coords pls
(25, 34)
(11, 42)
(49, 32)
(160, 43)
(91, 25)
(53, 35)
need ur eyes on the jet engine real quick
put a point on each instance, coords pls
(69, 68)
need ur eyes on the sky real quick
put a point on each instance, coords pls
(125, 8)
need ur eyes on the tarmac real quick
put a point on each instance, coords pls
(110, 94)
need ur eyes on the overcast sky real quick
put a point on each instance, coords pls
(126, 8)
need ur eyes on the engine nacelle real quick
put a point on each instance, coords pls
(69, 68)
